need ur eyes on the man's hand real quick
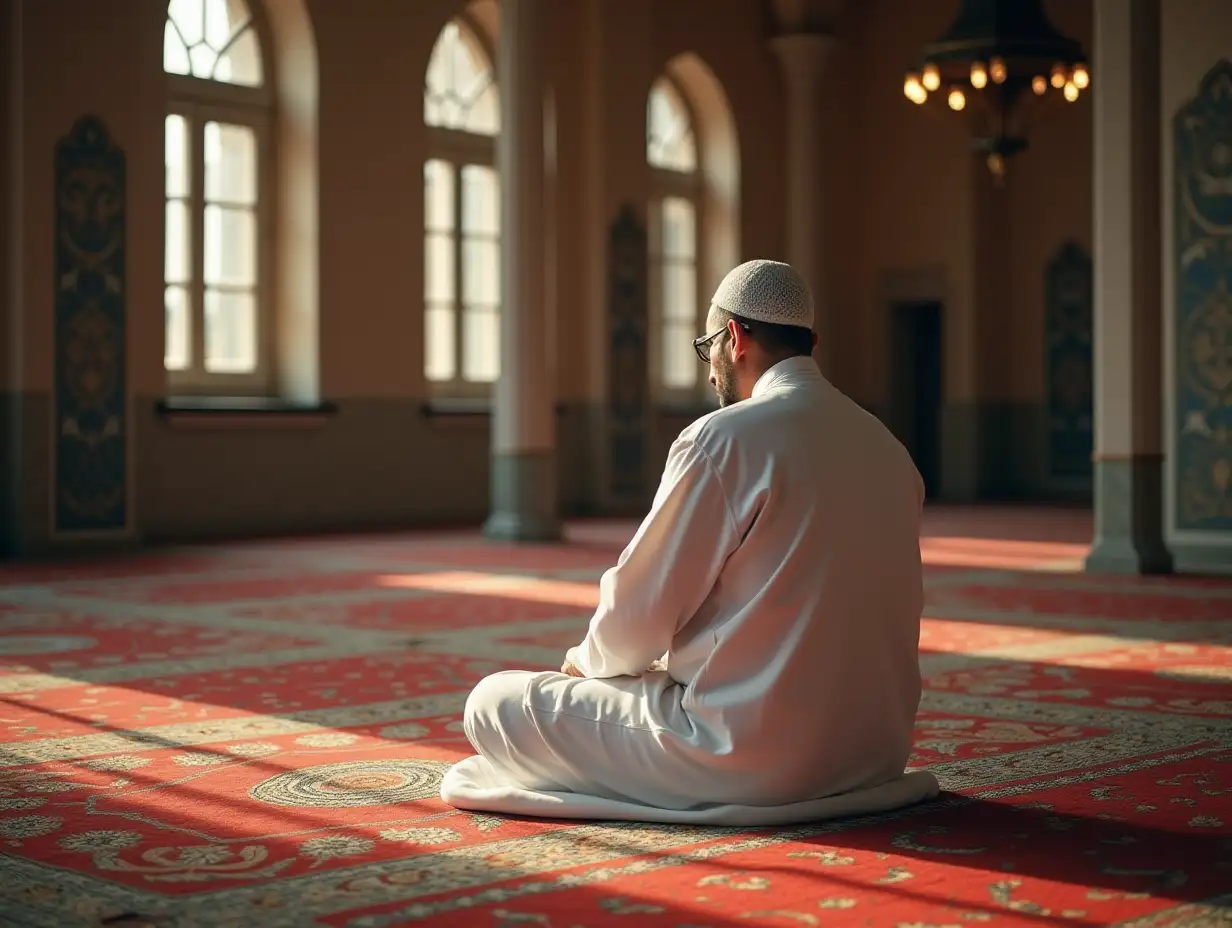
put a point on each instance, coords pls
(571, 669)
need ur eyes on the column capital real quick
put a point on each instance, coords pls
(802, 54)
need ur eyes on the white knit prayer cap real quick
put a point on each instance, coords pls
(766, 291)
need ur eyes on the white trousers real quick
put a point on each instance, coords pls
(556, 746)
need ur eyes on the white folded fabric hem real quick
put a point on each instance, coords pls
(474, 785)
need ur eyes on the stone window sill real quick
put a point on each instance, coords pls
(235, 412)
(459, 409)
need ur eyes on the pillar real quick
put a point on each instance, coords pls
(1128, 291)
(803, 57)
(524, 486)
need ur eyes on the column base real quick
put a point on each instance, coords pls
(524, 498)
(1129, 514)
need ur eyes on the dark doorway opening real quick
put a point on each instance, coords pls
(916, 385)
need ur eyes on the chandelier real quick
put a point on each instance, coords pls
(998, 57)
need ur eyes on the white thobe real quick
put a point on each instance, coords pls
(778, 577)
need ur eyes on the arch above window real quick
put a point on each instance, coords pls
(215, 40)
(460, 90)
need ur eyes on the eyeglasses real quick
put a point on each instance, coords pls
(702, 345)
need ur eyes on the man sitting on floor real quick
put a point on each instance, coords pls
(754, 659)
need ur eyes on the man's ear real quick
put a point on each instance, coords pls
(738, 338)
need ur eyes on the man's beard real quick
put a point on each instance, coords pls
(725, 381)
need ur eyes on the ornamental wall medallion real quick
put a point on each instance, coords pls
(1069, 312)
(628, 393)
(91, 414)
(1202, 438)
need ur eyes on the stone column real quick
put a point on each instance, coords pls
(803, 57)
(524, 486)
(1128, 291)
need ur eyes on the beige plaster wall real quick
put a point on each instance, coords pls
(926, 205)
(902, 197)
(1050, 196)
(378, 461)
(914, 173)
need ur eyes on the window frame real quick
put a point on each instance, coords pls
(201, 100)
(686, 185)
(460, 149)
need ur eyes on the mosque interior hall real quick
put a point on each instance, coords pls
(342, 348)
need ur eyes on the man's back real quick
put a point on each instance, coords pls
(805, 653)
(778, 569)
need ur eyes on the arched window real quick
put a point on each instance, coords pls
(693, 156)
(217, 262)
(671, 150)
(462, 230)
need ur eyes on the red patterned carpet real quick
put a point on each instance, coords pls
(254, 734)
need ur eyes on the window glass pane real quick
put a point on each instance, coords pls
(480, 200)
(189, 19)
(480, 271)
(438, 196)
(230, 332)
(213, 40)
(175, 53)
(175, 155)
(484, 115)
(178, 329)
(222, 18)
(241, 62)
(679, 281)
(230, 164)
(480, 344)
(177, 262)
(439, 284)
(679, 227)
(680, 364)
(230, 246)
(669, 132)
(459, 89)
(439, 344)
(203, 58)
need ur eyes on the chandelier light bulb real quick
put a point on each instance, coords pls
(997, 71)
(1071, 91)
(932, 77)
(1039, 84)
(979, 76)
(957, 100)
(913, 90)
(1059, 77)
(1081, 77)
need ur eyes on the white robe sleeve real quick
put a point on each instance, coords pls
(665, 573)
